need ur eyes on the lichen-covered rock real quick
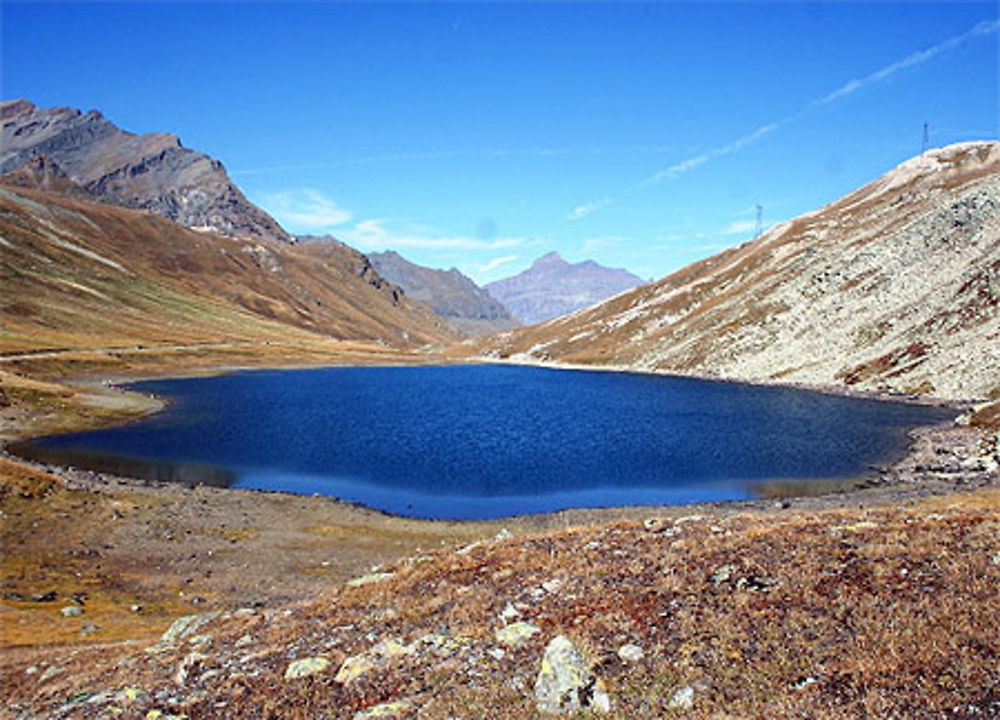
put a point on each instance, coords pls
(516, 634)
(357, 665)
(306, 666)
(566, 683)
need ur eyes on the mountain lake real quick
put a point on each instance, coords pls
(488, 441)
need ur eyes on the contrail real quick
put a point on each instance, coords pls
(986, 27)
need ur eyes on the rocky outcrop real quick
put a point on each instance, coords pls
(152, 172)
(895, 287)
(552, 287)
(452, 295)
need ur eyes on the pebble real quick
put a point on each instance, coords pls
(72, 611)
(630, 652)
(683, 698)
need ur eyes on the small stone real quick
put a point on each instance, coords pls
(552, 586)
(497, 653)
(393, 709)
(244, 640)
(631, 653)
(368, 579)
(306, 666)
(856, 527)
(50, 673)
(504, 534)
(136, 608)
(49, 596)
(722, 574)
(683, 698)
(516, 634)
(510, 613)
(566, 683)
(89, 629)
(354, 667)
(996, 558)
(72, 611)
(655, 524)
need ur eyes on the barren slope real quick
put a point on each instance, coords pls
(80, 275)
(893, 287)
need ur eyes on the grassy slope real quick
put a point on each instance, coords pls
(79, 275)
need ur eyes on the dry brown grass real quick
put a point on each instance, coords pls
(885, 612)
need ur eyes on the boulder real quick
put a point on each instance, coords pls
(566, 684)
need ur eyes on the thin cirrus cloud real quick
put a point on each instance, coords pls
(495, 263)
(986, 27)
(373, 235)
(305, 209)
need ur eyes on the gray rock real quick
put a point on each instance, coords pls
(631, 653)
(72, 611)
(566, 683)
(181, 628)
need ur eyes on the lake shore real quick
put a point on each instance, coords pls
(230, 550)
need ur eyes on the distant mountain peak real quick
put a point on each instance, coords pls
(551, 258)
(552, 287)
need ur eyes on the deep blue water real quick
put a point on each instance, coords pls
(490, 440)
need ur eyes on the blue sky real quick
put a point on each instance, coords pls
(482, 135)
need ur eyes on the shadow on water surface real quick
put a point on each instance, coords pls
(189, 474)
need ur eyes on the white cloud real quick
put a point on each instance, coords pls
(582, 211)
(373, 235)
(495, 263)
(305, 209)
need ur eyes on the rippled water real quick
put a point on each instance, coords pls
(490, 441)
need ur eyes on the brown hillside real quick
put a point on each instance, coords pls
(80, 275)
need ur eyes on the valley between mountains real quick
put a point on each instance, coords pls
(125, 256)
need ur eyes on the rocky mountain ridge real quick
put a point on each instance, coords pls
(552, 287)
(152, 172)
(451, 294)
(894, 287)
